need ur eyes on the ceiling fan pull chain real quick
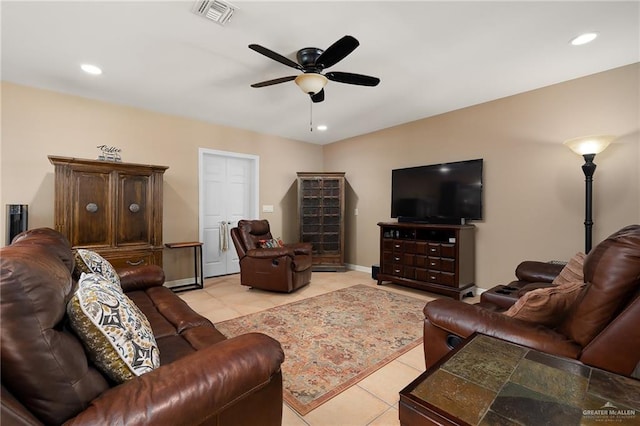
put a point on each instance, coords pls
(310, 115)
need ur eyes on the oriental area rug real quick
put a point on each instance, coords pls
(334, 340)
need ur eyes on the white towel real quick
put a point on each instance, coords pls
(224, 238)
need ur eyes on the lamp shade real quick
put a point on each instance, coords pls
(589, 144)
(311, 83)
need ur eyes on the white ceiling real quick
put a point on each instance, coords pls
(432, 57)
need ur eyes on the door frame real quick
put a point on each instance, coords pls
(255, 163)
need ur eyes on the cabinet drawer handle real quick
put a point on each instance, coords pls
(139, 262)
(433, 263)
(91, 207)
(432, 277)
(397, 271)
(397, 245)
(433, 250)
(396, 258)
(134, 208)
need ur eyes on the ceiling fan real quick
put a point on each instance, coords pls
(312, 61)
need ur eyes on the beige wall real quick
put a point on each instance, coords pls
(37, 123)
(534, 186)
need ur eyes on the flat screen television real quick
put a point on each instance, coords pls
(438, 193)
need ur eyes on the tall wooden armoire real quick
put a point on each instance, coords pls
(112, 208)
(321, 216)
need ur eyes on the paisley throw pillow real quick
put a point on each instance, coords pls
(115, 333)
(88, 261)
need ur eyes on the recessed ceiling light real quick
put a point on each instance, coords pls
(322, 127)
(584, 39)
(91, 69)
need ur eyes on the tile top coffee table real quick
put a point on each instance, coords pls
(488, 381)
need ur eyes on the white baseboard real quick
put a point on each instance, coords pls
(358, 268)
(350, 266)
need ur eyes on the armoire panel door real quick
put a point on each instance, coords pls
(92, 209)
(135, 210)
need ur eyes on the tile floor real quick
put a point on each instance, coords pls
(374, 400)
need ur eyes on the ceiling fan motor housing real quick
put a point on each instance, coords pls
(307, 58)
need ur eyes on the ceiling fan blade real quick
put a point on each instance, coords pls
(350, 78)
(337, 51)
(274, 81)
(318, 97)
(275, 56)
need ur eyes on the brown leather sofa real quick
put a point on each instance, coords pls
(283, 269)
(530, 275)
(600, 329)
(47, 377)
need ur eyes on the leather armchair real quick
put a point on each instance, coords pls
(600, 329)
(283, 269)
(47, 377)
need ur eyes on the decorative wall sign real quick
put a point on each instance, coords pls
(109, 153)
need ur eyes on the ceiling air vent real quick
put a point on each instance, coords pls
(216, 10)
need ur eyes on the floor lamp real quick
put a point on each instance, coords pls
(588, 147)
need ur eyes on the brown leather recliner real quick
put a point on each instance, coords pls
(283, 269)
(47, 378)
(600, 329)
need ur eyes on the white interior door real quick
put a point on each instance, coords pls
(228, 193)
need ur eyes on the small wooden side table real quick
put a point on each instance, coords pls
(197, 264)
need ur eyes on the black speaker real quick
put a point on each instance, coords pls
(17, 220)
(375, 270)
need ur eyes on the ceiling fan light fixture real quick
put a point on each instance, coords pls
(311, 83)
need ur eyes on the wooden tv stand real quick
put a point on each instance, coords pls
(435, 258)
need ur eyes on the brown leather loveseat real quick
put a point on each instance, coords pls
(47, 378)
(283, 268)
(530, 275)
(599, 329)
